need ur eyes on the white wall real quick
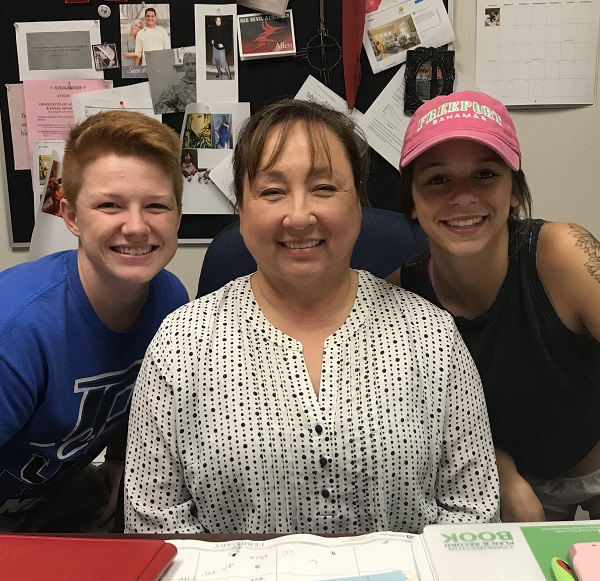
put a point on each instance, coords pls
(561, 153)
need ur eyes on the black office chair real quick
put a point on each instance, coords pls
(385, 241)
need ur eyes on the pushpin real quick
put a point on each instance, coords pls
(104, 10)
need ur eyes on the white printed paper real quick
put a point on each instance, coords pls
(395, 27)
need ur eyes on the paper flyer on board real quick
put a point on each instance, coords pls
(313, 90)
(266, 35)
(276, 7)
(216, 52)
(18, 125)
(208, 136)
(136, 96)
(49, 107)
(392, 27)
(57, 49)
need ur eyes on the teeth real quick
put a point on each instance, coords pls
(468, 222)
(133, 250)
(302, 244)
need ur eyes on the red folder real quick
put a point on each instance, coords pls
(33, 557)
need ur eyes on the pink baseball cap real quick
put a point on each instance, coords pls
(464, 115)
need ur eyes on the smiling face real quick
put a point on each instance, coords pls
(126, 218)
(150, 18)
(300, 218)
(135, 28)
(462, 193)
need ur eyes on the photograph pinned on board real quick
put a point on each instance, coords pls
(54, 190)
(266, 35)
(144, 27)
(172, 78)
(105, 56)
(219, 42)
(189, 163)
(208, 138)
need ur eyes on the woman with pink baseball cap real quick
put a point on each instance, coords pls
(524, 293)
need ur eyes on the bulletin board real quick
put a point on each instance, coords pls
(260, 81)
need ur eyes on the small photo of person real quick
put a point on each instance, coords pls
(198, 131)
(172, 77)
(144, 27)
(222, 138)
(219, 47)
(105, 56)
(189, 162)
(54, 191)
(492, 17)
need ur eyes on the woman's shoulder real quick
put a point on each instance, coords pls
(235, 292)
(400, 301)
(568, 262)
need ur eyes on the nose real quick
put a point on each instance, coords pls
(299, 213)
(135, 224)
(463, 193)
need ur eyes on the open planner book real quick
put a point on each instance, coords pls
(464, 552)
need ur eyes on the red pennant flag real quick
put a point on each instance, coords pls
(353, 24)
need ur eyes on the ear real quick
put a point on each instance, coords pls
(69, 215)
(514, 203)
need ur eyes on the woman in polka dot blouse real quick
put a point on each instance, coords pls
(307, 397)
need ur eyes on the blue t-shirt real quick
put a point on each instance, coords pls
(66, 379)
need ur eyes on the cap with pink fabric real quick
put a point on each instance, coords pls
(464, 115)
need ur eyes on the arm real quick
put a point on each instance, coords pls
(569, 266)
(467, 483)
(139, 46)
(167, 101)
(156, 496)
(518, 501)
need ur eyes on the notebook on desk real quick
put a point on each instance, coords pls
(33, 557)
(498, 551)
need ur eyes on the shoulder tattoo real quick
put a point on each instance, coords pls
(590, 246)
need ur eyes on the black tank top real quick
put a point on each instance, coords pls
(541, 380)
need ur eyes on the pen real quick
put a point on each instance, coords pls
(562, 570)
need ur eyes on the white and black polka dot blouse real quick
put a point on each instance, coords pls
(226, 433)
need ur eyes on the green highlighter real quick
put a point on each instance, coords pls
(562, 570)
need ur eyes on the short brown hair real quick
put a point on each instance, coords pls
(126, 133)
(316, 118)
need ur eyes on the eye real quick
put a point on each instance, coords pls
(107, 206)
(157, 206)
(325, 189)
(437, 180)
(486, 174)
(271, 193)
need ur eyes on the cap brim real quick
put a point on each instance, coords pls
(510, 157)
